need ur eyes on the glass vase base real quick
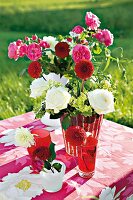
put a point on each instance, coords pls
(86, 174)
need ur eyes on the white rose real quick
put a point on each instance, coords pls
(38, 86)
(57, 99)
(107, 193)
(56, 77)
(102, 101)
(51, 40)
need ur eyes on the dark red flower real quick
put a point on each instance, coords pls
(42, 153)
(91, 141)
(62, 49)
(37, 165)
(84, 69)
(75, 135)
(34, 69)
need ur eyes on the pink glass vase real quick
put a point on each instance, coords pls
(89, 124)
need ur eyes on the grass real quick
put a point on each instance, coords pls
(20, 18)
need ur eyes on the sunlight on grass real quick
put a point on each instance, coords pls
(11, 5)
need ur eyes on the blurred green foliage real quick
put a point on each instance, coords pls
(20, 18)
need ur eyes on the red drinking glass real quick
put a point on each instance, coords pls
(87, 157)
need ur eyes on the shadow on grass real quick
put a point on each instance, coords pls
(116, 18)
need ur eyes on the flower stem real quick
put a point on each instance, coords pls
(43, 77)
(82, 85)
(52, 170)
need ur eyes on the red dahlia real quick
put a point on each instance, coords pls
(84, 69)
(42, 153)
(91, 141)
(75, 135)
(62, 49)
(34, 69)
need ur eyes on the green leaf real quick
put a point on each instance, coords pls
(107, 63)
(97, 49)
(47, 165)
(23, 72)
(52, 150)
(57, 166)
(66, 122)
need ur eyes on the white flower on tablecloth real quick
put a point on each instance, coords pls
(101, 100)
(128, 159)
(8, 137)
(51, 124)
(107, 193)
(3, 197)
(18, 137)
(56, 77)
(130, 198)
(23, 137)
(37, 87)
(57, 98)
(106, 163)
(21, 185)
(51, 40)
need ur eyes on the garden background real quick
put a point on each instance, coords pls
(19, 18)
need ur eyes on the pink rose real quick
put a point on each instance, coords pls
(69, 39)
(34, 51)
(104, 36)
(13, 51)
(92, 21)
(18, 42)
(34, 37)
(77, 29)
(81, 52)
(44, 44)
(23, 50)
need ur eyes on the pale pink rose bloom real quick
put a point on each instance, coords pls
(77, 29)
(92, 21)
(13, 51)
(81, 52)
(105, 36)
(34, 51)
(22, 50)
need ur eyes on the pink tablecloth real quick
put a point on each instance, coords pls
(114, 165)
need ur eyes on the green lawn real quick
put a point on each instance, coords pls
(20, 18)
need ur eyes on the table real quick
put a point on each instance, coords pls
(114, 165)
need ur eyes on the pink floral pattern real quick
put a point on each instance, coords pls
(113, 166)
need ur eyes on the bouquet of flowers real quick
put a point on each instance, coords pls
(70, 79)
(69, 71)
